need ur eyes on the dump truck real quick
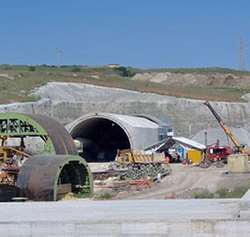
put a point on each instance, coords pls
(141, 164)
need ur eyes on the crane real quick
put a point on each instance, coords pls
(236, 142)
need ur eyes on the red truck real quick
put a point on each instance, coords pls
(218, 153)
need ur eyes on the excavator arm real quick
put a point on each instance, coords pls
(225, 128)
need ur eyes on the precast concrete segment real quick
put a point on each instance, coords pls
(40, 176)
(172, 218)
(106, 132)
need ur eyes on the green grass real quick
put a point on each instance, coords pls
(27, 78)
(69, 68)
(222, 193)
(204, 70)
(104, 196)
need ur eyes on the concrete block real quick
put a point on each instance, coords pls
(15, 229)
(202, 226)
(180, 228)
(41, 229)
(244, 215)
(246, 196)
(238, 163)
(144, 229)
(233, 228)
(97, 229)
(244, 205)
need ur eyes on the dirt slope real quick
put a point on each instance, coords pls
(17, 82)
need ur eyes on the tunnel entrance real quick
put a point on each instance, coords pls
(99, 139)
(74, 178)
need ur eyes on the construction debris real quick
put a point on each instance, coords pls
(47, 175)
(133, 170)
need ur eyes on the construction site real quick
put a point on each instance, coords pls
(114, 156)
(124, 119)
(95, 160)
(105, 157)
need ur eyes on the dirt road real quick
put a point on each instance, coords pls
(184, 180)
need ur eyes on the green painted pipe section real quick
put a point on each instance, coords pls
(39, 130)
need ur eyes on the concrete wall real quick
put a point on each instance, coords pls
(68, 101)
(171, 218)
(195, 228)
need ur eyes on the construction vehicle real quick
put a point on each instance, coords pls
(238, 147)
(219, 154)
(45, 174)
(126, 157)
(141, 164)
(238, 161)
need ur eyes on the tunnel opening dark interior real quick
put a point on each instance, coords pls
(100, 139)
(76, 175)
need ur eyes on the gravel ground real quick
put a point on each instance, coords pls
(185, 180)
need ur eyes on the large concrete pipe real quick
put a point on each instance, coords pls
(102, 134)
(49, 177)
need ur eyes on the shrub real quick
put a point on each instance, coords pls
(124, 71)
(32, 68)
(76, 69)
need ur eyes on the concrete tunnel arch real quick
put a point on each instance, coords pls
(102, 134)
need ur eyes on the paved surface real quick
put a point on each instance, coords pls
(116, 211)
(172, 218)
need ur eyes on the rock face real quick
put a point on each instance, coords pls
(195, 79)
(68, 101)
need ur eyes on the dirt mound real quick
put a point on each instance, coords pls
(195, 79)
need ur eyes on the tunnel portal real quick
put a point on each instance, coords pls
(100, 135)
(100, 138)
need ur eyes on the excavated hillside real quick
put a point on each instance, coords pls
(217, 84)
(66, 93)
(68, 101)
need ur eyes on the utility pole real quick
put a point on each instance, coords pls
(242, 63)
(59, 53)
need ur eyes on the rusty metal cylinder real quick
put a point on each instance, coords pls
(48, 178)
(61, 139)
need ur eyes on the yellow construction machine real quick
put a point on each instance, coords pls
(239, 147)
(141, 164)
(126, 157)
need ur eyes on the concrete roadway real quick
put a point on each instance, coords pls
(124, 218)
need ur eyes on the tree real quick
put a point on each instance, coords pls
(124, 71)
(32, 68)
(76, 69)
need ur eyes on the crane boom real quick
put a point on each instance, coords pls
(225, 128)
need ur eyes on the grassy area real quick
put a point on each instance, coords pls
(222, 193)
(18, 81)
(104, 196)
(200, 70)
